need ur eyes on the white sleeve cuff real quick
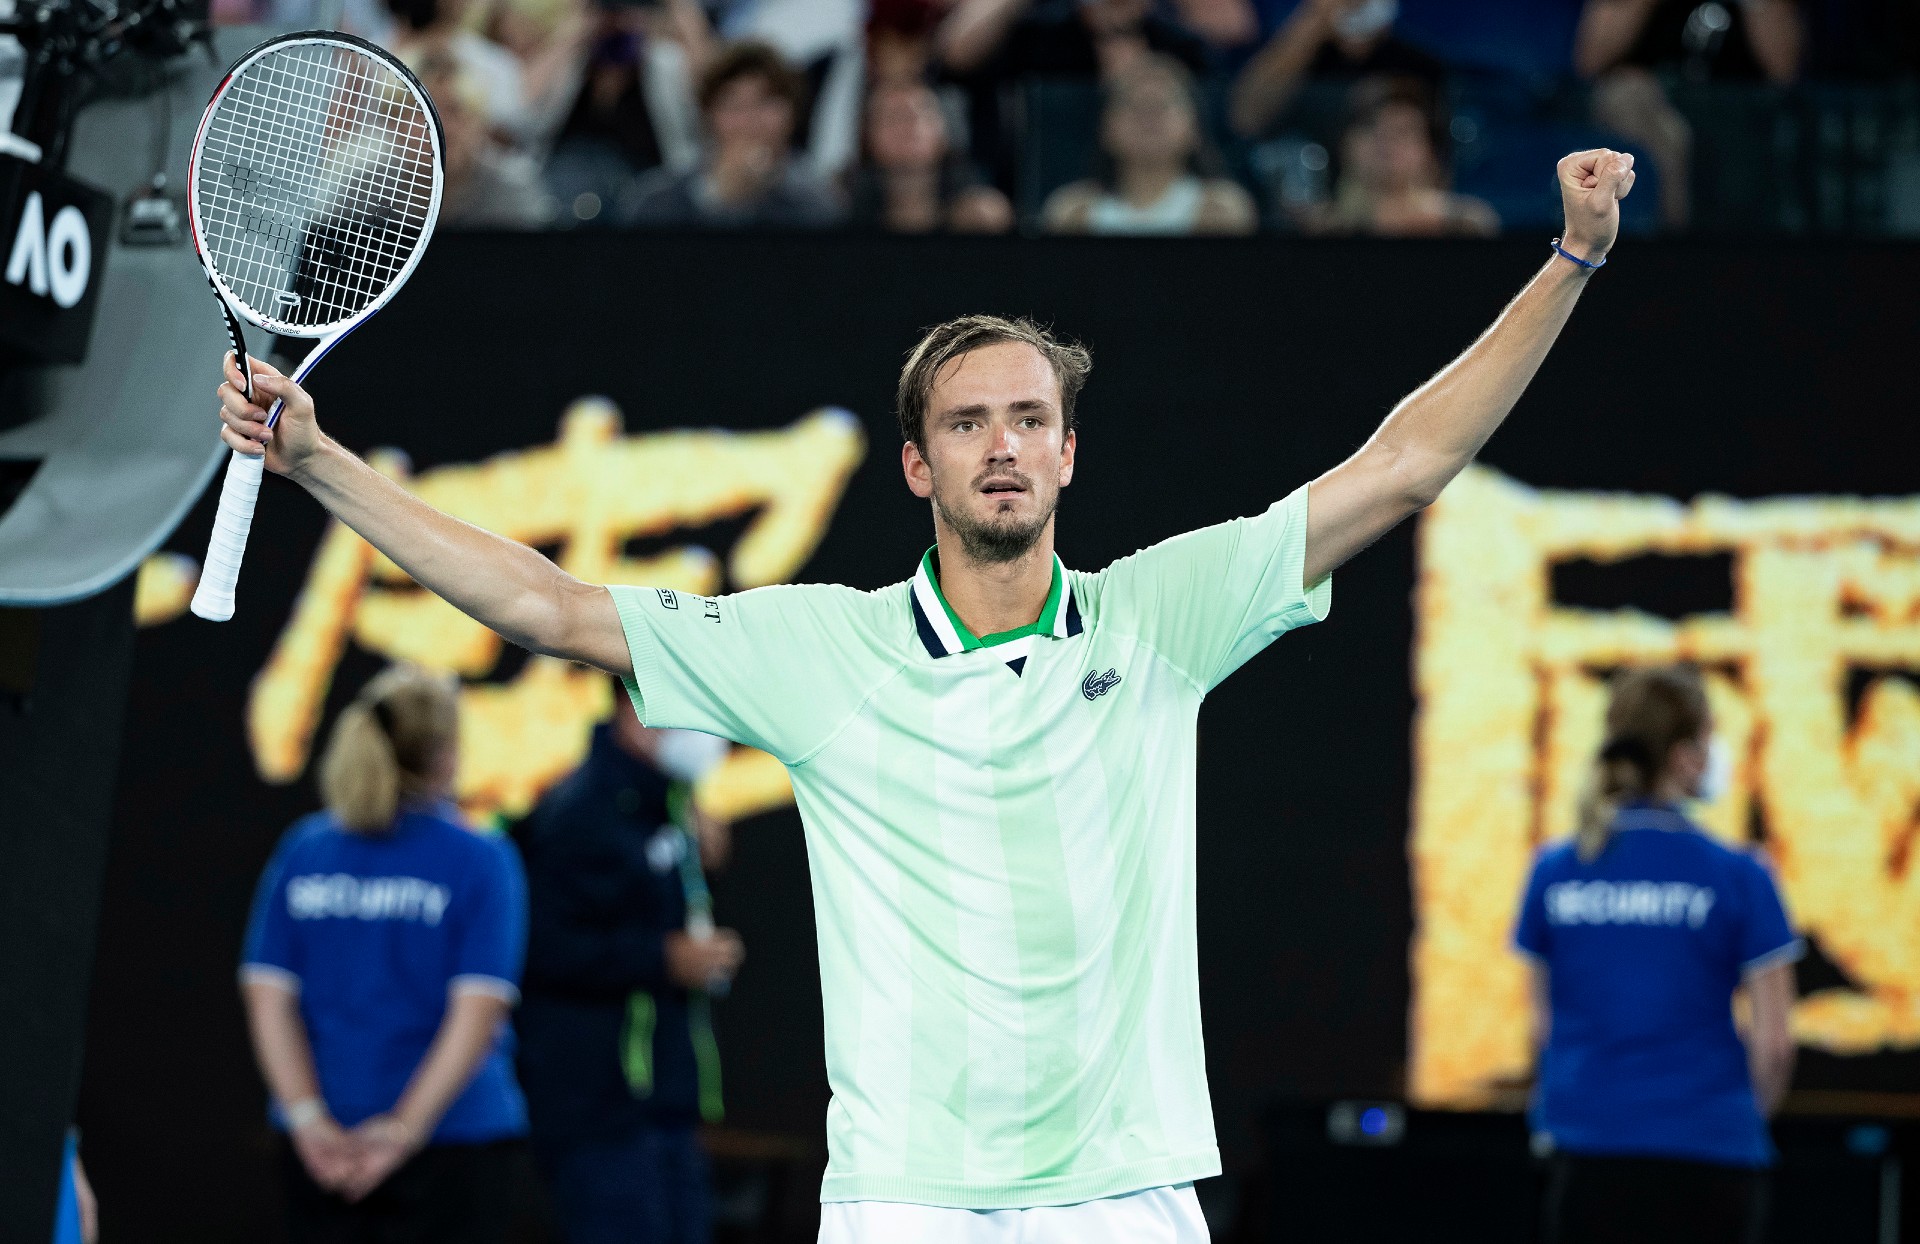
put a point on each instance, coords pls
(269, 974)
(1789, 953)
(489, 986)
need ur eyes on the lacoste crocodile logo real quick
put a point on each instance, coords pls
(1096, 685)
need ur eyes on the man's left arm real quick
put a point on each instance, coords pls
(1437, 429)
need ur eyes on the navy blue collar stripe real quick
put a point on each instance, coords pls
(928, 636)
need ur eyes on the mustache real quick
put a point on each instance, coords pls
(1002, 477)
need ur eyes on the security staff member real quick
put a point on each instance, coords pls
(381, 961)
(1640, 932)
(617, 1048)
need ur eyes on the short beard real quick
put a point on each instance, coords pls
(995, 544)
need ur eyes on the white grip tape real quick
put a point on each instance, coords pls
(213, 598)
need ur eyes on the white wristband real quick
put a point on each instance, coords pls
(301, 1113)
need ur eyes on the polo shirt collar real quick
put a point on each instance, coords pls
(944, 634)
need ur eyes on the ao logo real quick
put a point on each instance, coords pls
(54, 261)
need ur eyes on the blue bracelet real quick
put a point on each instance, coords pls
(1569, 255)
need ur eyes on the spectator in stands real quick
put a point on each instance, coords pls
(1341, 39)
(825, 41)
(488, 185)
(749, 99)
(1621, 43)
(382, 958)
(425, 29)
(912, 181)
(993, 47)
(1150, 136)
(550, 39)
(635, 110)
(616, 1037)
(1652, 1101)
(1393, 179)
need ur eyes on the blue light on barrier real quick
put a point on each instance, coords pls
(1373, 1121)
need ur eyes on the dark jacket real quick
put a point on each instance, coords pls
(607, 1043)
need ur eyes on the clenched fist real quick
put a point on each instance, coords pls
(1592, 183)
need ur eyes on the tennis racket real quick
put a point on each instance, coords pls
(315, 184)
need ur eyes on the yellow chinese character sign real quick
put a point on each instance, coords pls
(583, 498)
(1811, 677)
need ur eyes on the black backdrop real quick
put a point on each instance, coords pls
(1225, 374)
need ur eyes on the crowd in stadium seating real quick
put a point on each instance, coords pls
(1381, 117)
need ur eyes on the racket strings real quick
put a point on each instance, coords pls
(316, 183)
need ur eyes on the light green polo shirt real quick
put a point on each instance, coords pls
(1001, 835)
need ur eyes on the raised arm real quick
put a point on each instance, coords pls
(1437, 429)
(1608, 30)
(504, 585)
(1273, 77)
(973, 30)
(1774, 34)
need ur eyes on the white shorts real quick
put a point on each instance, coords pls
(1169, 1215)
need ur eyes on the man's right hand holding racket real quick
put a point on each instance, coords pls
(501, 583)
(295, 438)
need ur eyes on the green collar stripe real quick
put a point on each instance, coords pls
(1049, 613)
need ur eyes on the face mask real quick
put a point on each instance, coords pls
(687, 755)
(1366, 19)
(1717, 779)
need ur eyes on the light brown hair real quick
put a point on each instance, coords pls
(1649, 711)
(385, 746)
(949, 341)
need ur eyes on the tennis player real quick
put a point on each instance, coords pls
(994, 760)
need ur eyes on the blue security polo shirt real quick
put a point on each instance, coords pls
(1644, 948)
(376, 932)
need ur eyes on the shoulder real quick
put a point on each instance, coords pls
(1747, 861)
(830, 601)
(828, 632)
(563, 797)
(489, 861)
(316, 831)
(448, 829)
(1068, 208)
(1225, 207)
(1555, 860)
(1701, 850)
(824, 597)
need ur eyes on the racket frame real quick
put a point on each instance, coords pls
(234, 308)
(214, 601)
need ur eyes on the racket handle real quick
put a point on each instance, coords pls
(213, 598)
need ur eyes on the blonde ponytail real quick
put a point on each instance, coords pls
(1614, 780)
(1648, 712)
(359, 775)
(385, 746)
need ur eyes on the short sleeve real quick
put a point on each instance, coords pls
(490, 925)
(1532, 932)
(1766, 936)
(270, 952)
(1209, 600)
(777, 668)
